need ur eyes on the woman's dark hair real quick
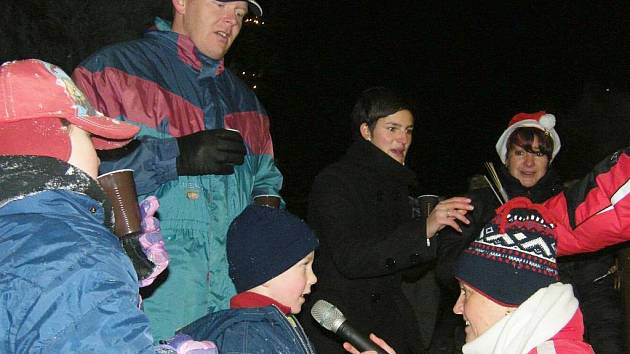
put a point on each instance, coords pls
(525, 136)
(374, 104)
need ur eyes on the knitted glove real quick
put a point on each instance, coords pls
(151, 239)
(184, 344)
(213, 152)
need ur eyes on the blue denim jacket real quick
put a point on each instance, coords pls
(252, 330)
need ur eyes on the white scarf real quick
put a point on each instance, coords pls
(535, 321)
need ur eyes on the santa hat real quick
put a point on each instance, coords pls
(541, 120)
(514, 255)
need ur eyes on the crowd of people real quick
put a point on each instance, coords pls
(244, 273)
(527, 148)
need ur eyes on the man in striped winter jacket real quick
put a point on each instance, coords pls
(204, 147)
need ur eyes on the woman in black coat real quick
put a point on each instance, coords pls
(359, 208)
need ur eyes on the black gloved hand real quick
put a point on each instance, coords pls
(210, 152)
(133, 249)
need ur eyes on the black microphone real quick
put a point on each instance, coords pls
(329, 317)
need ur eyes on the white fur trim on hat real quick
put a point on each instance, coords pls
(548, 121)
(541, 120)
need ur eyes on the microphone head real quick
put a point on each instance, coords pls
(327, 315)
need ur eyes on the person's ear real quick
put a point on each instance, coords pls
(179, 6)
(365, 132)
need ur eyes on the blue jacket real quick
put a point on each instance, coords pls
(252, 331)
(66, 284)
(162, 83)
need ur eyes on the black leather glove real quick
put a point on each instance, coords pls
(133, 249)
(210, 152)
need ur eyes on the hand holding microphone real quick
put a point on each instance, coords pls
(329, 317)
(351, 349)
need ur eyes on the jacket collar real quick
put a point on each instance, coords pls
(187, 52)
(28, 175)
(366, 154)
(250, 299)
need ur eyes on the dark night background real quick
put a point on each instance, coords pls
(467, 67)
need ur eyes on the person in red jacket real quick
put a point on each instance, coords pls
(527, 148)
(511, 298)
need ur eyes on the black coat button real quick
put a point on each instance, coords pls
(390, 264)
(375, 297)
(414, 258)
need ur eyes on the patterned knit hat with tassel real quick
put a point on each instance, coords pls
(514, 256)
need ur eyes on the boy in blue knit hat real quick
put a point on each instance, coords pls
(270, 255)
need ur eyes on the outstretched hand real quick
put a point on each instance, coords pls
(447, 213)
(381, 343)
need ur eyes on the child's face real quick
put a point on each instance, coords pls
(83, 154)
(290, 287)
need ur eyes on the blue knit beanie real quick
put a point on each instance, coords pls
(514, 256)
(263, 242)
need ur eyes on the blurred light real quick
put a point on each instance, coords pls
(254, 20)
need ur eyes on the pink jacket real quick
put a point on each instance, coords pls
(568, 340)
